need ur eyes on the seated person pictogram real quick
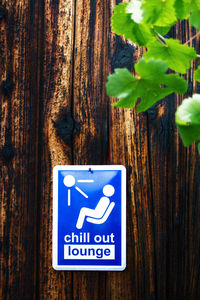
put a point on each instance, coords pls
(100, 214)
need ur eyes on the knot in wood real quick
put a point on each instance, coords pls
(7, 152)
(3, 13)
(66, 127)
(152, 113)
(7, 87)
(123, 56)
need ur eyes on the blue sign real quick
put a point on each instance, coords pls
(89, 218)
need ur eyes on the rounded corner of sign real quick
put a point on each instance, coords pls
(55, 169)
(122, 168)
(123, 267)
(55, 266)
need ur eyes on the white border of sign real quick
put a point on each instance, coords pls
(55, 218)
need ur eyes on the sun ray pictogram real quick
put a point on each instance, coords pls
(69, 181)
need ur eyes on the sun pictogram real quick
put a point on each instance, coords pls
(69, 181)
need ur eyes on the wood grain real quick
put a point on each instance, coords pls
(55, 58)
(173, 190)
(19, 84)
(90, 109)
(184, 209)
(129, 146)
(55, 118)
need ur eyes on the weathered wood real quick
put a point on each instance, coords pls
(184, 193)
(54, 60)
(56, 131)
(129, 146)
(19, 96)
(90, 109)
(174, 193)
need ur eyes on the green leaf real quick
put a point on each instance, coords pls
(182, 8)
(197, 74)
(176, 55)
(159, 12)
(195, 13)
(155, 70)
(194, 4)
(162, 30)
(147, 85)
(120, 83)
(188, 120)
(151, 96)
(122, 24)
(176, 83)
(195, 19)
(134, 8)
(152, 70)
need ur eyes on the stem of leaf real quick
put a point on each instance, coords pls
(160, 38)
(192, 38)
(161, 41)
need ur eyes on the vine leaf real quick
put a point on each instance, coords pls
(122, 24)
(182, 8)
(147, 85)
(195, 18)
(195, 13)
(197, 74)
(159, 12)
(161, 30)
(194, 4)
(176, 55)
(188, 120)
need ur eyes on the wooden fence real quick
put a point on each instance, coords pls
(54, 60)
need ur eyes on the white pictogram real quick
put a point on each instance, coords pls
(101, 212)
(69, 181)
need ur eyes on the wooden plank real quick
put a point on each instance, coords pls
(129, 146)
(19, 94)
(158, 131)
(128, 142)
(57, 128)
(73, 49)
(90, 109)
(175, 191)
(184, 193)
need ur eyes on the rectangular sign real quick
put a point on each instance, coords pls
(89, 217)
